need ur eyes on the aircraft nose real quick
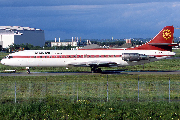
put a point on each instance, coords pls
(2, 62)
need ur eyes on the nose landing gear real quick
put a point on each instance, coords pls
(28, 71)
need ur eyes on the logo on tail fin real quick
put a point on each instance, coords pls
(167, 34)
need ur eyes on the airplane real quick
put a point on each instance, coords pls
(160, 47)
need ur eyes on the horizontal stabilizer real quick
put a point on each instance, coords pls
(168, 44)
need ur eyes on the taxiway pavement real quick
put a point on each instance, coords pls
(88, 73)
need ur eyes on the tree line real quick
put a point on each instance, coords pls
(27, 46)
(47, 46)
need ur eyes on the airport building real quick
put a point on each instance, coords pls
(21, 35)
(55, 43)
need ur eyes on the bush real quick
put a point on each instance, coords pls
(59, 108)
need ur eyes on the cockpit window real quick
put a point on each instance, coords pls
(8, 57)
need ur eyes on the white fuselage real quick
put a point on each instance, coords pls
(57, 58)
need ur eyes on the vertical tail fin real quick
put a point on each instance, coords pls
(162, 41)
(164, 36)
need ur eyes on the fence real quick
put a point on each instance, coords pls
(107, 90)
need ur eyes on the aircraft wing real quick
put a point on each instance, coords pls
(94, 63)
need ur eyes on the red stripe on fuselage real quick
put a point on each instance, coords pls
(101, 49)
(68, 56)
(79, 56)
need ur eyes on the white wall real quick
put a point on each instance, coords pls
(7, 40)
(63, 44)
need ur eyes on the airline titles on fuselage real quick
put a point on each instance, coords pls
(42, 52)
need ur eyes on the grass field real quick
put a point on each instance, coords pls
(65, 109)
(85, 96)
(120, 87)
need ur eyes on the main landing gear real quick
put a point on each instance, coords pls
(28, 71)
(96, 70)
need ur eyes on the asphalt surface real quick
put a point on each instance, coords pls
(88, 73)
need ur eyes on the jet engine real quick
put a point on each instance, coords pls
(134, 57)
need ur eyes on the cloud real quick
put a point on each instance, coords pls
(25, 3)
(90, 18)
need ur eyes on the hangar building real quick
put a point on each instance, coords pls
(17, 35)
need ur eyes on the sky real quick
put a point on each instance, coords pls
(92, 19)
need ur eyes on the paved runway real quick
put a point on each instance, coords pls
(43, 74)
(88, 73)
(152, 72)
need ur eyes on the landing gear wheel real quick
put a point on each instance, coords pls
(28, 71)
(92, 70)
(96, 70)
